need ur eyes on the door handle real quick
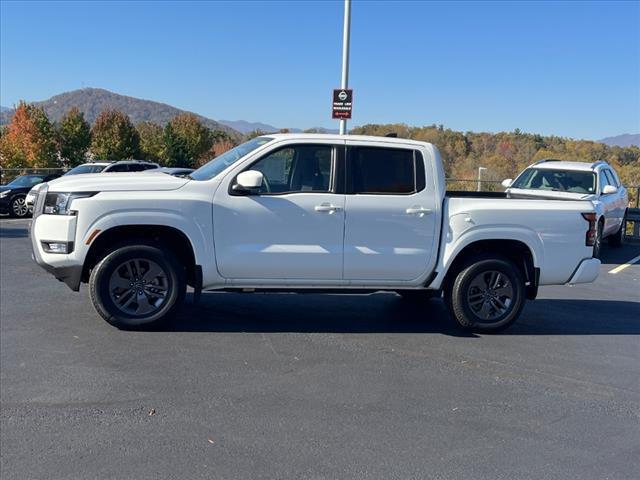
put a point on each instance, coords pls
(420, 211)
(326, 207)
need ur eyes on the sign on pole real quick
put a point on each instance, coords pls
(342, 103)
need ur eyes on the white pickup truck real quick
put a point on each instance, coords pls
(308, 213)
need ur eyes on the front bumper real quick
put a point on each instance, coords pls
(586, 272)
(5, 205)
(69, 274)
(63, 229)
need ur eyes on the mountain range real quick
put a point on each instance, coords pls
(624, 140)
(92, 101)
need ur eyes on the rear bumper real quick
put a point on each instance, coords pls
(586, 272)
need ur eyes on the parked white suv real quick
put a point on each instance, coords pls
(308, 213)
(563, 180)
(112, 167)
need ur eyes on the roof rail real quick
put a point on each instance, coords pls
(544, 160)
(392, 135)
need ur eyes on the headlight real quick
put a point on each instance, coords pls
(5, 193)
(60, 203)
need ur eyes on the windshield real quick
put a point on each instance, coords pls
(26, 181)
(86, 169)
(570, 181)
(221, 162)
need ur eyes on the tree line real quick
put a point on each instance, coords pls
(505, 154)
(31, 140)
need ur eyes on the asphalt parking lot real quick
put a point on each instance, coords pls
(318, 387)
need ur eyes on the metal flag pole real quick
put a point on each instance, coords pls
(345, 56)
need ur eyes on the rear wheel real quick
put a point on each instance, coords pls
(617, 239)
(487, 294)
(137, 286)
(19, 207)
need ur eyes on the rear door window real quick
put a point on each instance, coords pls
(377, 170)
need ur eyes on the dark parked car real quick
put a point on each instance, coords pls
(12, 195)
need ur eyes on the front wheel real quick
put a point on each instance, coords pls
(597, 247)
(19, 207)
(487, 295)
(137, 286)
(617, 239)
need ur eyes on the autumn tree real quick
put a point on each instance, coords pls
(505, 154)
(29, 140)
(74, 137)
(151, 141)
(186, 140)
(113, 137)
(175, 152)
(253, 134)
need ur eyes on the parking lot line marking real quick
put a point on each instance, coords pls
(619, 268)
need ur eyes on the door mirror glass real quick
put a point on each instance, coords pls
(248, 181)
(506, 183)
(609, 189)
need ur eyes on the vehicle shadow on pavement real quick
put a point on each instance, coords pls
(389, 313)
(13, 232)
(616, 256)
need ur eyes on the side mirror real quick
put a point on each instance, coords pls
(609, 189)
(507, 182)
(248, 181)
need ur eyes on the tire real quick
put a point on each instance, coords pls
(18, 208)
(418, 295)
(137, 286)
(476, 304)
(617, 239)
(597, 247)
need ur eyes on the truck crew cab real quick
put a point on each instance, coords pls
(308, 213)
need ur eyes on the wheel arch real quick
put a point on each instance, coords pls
(515, 250)
(170, 237)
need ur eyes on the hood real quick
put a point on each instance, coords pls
(116, 182)
(548, 194)
(4, 188)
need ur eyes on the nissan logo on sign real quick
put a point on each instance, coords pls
(342, 103)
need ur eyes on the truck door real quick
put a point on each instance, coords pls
(390, 223)
(292, 228)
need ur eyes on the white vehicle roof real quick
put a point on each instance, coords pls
(567, 165)
(337, 138)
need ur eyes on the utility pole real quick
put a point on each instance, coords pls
(345, 56)
(480, 170)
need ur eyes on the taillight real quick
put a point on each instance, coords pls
(590, 239)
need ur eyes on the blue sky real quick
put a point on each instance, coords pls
(570, 69)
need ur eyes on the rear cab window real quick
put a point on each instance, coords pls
(384, 171)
